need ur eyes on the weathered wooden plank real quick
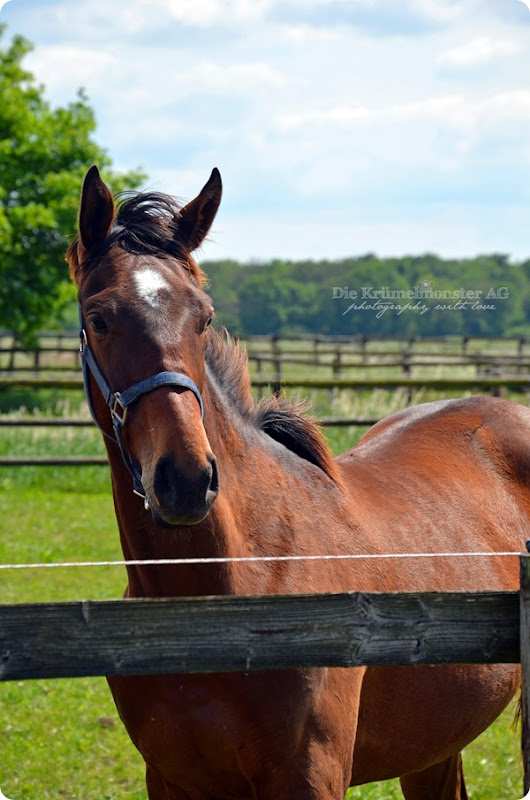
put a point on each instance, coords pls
(222, 634)
(53, 461)
(399, 382)
(45, 422)
(48, 381)
(380, 358)
(65, 422)
(524, 596)
(72, 382)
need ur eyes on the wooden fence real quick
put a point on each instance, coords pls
(494, 385)
(490, 384)
(91, 461)
(59, 352)
(226, 634)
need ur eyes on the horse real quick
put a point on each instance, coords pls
(200, 470)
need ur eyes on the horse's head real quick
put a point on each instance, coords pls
(144, 320)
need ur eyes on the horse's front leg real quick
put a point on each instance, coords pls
(320, 767)
(300, 788)
(158, 789)
(322, 772)
(319, 786)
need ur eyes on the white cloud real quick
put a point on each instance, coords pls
(60, 65)
(455, 111)
(233, 78)
(139, 14)
(210, 12)
(306, 34)
(476, 52)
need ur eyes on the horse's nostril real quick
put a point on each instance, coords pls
(166, 480)
(214, 480)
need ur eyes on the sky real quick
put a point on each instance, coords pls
(340, 127)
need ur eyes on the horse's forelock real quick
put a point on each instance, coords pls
(146, 222)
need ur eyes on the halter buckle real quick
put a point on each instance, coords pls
(83, 341)
(118, 410)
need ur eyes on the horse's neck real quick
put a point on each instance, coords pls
(233, 528)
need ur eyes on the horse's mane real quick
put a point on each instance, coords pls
(280, 418)
(146, 223)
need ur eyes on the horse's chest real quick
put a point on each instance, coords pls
(209, 731)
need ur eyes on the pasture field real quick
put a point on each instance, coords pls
(62, 739)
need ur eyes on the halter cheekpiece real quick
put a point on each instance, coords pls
(119, 402)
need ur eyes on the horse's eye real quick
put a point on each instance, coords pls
(209, 322)
(98, 324)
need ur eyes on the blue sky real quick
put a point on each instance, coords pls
(339, 126)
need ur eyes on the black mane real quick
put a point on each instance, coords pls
(282, 419)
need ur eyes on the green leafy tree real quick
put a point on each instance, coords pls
(44, 154)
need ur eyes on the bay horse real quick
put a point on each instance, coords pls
(199, 470)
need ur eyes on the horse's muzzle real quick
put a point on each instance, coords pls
(179, 498)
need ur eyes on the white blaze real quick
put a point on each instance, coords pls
(149, 284)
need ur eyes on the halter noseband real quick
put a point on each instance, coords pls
(118, 402)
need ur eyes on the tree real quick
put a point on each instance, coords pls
(44, 154)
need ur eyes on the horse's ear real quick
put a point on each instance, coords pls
(196, 218)
(96, 214)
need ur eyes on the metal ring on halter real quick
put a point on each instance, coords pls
(117, 404)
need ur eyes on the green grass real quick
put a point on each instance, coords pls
(62, 739)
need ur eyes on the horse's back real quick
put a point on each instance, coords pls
(501, 423)
(444, 477)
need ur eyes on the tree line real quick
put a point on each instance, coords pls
(410, 296)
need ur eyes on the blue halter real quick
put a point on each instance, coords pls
(118, 402)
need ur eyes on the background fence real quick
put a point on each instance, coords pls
(59, 352)
(306, 364)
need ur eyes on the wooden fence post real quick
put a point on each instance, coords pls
(364, 342)
(316, 342)
(406, 362)
(12, 354)
(337, 371)
(520, 345)
(525, 664)
(276, 352)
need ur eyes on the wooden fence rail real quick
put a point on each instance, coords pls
(73, 422)
(59, 351)
(91, 461)
(335, 359)
(516, 382)
(225, 634)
